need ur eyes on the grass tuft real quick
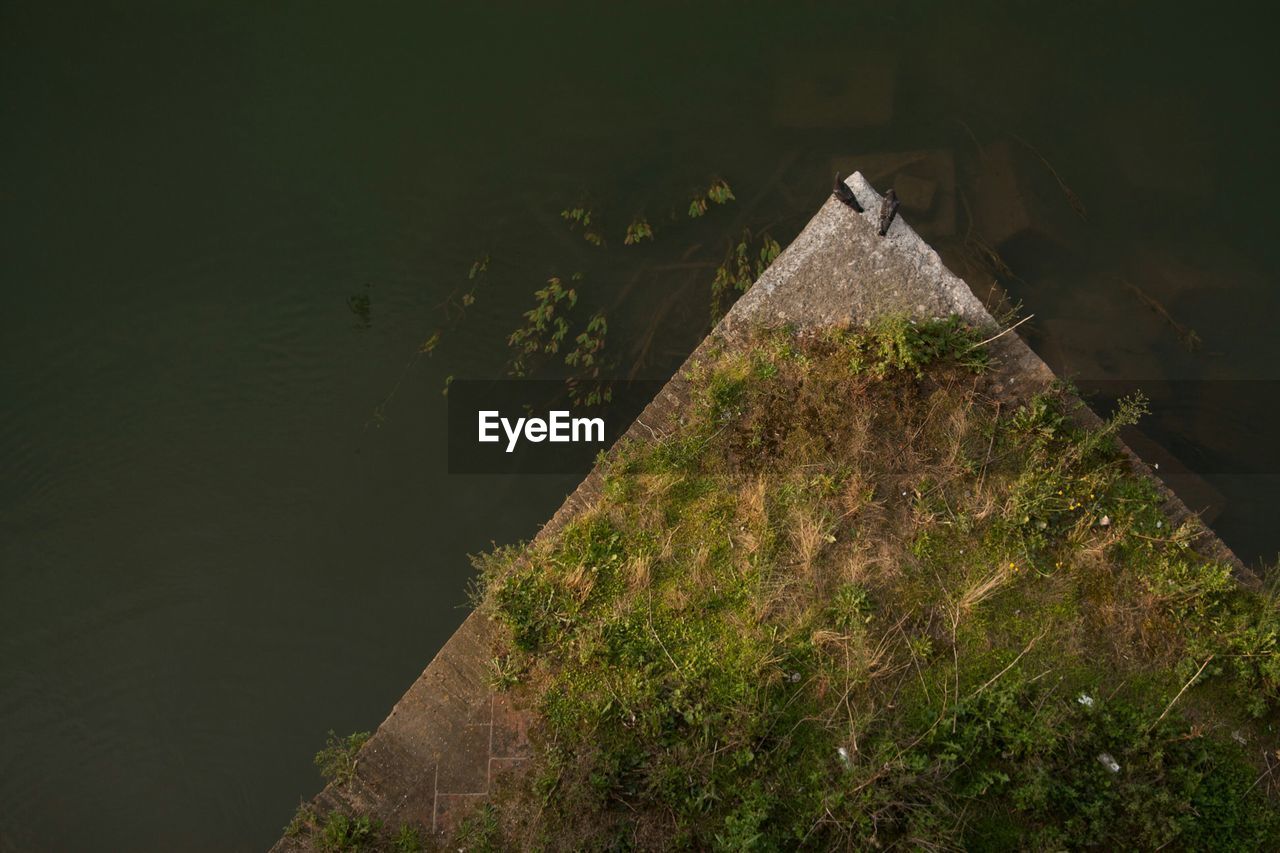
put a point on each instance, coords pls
(337, 761)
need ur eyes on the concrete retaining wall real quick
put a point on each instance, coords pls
(450, 736)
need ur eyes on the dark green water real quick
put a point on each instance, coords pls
(211, 550)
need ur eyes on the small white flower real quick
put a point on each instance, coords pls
(1085, 699)
(844, 756)
(1109, 762)
(1159, 524)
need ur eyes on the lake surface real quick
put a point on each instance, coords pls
(227, 230)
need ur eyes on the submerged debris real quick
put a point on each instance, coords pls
(1185, 334)
(981, 254)
(1072, 199)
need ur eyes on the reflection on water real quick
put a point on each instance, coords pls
(231, 234)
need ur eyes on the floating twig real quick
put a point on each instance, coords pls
(1173, 701)
(1002, 334)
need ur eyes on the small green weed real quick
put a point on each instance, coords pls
(407, 840)
(304, 821)
(480, 831)
(901, 344)
(342, 833)
(337, 761)
(504, 672)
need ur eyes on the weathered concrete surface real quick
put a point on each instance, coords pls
(840, 270)
(924, 180)
(449, 738)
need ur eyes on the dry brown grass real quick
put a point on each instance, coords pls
(810, 535)
(639, 571)
(985, 587)
(579, 582)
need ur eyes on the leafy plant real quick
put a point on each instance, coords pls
(407, 840)
(718, 193)
(429, 345)
(304, 821)
(545, 324)
(740, 269)
(585, 386)
(504, 672)
(481, 832)
(901, 344)
(337, 761)
(343, 833)
(852, 607)
(638, 230)
(581, 217)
